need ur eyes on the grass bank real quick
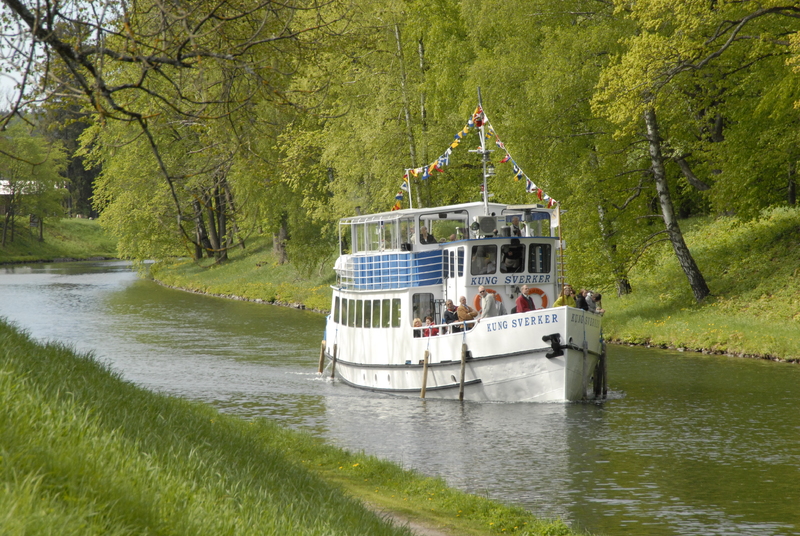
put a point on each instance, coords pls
(753, 271)
(752, 268)
(64, 239)
(84, 452)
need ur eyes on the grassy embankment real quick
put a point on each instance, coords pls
(64, 239)
(84, 452)
(752, 268)
(753, 271)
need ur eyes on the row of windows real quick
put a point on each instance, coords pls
(367, 313)
(512, 259)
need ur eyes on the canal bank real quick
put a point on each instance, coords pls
(78, 440)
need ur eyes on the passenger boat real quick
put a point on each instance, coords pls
(388, 275)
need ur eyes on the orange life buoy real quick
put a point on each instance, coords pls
(477, 301)
(540, 292)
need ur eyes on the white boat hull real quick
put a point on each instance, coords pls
(506, 359)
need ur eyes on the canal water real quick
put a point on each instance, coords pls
(686, 444)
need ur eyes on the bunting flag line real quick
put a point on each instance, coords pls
(478, 119)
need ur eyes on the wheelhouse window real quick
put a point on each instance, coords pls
(336, 310)
(484, 259)
(376, 313)
(367, 313)
(539, 259)
(512, 257)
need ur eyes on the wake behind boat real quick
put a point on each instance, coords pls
(392, 270)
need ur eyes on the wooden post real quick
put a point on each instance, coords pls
(604, 360)
(463, 370)
(424, 373)
(322, 357)
(333, 366)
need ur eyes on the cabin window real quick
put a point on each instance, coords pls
(367, 313)
(539, 259)
(484, 259)
(351, 317)
(452, 264)
(336, 309)
(422, 305)
(376, 313)
(386, 314)
(512, 258)
(446, 264)
(343, 318)
(461, 262)
(396, 312)
(446, 226)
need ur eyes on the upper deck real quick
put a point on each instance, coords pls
(419, 247)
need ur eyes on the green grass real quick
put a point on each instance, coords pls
(753, 271)
(251, 273)
(68, 238)
(84, 452)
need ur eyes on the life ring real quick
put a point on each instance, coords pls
(477, 301)
(540, 292)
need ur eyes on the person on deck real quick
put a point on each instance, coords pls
(489, 305)
(429, 330)
(515, 230)
(525, 302)
(567, 297)
(593, 303)
(580, 300)
(451, 317)
(466, 313)
(417, 327)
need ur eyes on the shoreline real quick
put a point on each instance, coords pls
(617, 342)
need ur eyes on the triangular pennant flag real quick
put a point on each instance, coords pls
(506, 158)
(399, 196)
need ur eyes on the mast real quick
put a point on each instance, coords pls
(484, 156)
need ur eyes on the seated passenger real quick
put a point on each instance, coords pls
(525, 302)
(417, 327)
(429, 330)
(451, 317)
(466, 313)
(512, 257)
(425, 238)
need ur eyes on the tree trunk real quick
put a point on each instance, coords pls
(213, 237)
(279, 242)
(791, 188)
(696, 279)
(406, 108)
(41, 229)
(6, 223)
(222, 225)
(621, 280)
(203, 243)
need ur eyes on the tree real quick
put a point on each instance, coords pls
(152, 66)
(31, 177)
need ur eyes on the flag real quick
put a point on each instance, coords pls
(404, 185)
(529, 186)
(425, 174)
(506, 158)
(399, 196)
(396, 205)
